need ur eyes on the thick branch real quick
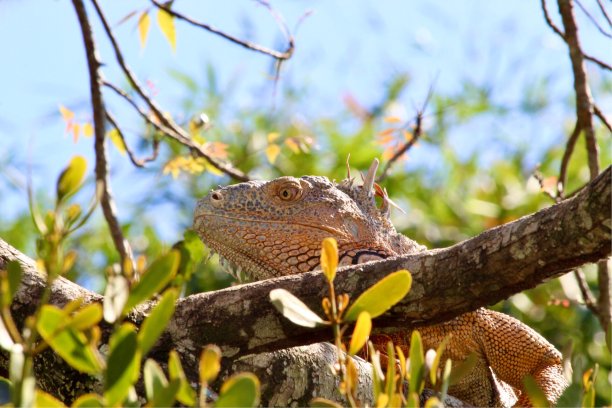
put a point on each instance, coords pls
(447, 282)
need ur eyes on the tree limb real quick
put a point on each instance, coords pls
(446, 282)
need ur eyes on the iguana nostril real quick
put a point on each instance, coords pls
(216, 196)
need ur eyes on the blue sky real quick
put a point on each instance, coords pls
(343, 47)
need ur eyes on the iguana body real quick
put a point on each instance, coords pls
(275, 228)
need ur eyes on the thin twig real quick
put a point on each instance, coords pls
(602, 117)
(589, 300)
(603, 302)
(567, 154)
(590, 17)
(173, 130)
(546, 191)
(101, 168)
(418, 130)
(604, 12)
(247, 44)
(602, 65)
(549, 21)
(137, 162)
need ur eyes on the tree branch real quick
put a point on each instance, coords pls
(446, 282)
(95, 80)
(135, 161)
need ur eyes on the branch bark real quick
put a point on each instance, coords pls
(446, 282)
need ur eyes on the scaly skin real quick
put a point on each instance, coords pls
(275, 228)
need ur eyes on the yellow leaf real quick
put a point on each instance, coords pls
(273, 136)
(272, 152)
(144, 22)
(210, 363)
(115, 137)
(166, 24)
(293, 145)
(392, 119)
(67, 114)
(408, 135)
(329, 258)
(361, 332)
(212, 169)
(88, 129)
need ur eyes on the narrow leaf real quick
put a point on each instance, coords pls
(87, 317)
(361, 333)
(42, 399)
(323, 403)
(144, 23)
(115, 297)
(329, 258)
(154, 379)
(241, 390)
(158, 275)
(433, 371)
(123, 364)
(210, 363)
(88, 401)
(156, 322)
(115, 137)
(185, 395)
(166, 23)
(417, 363)
(294, 309)
(380, 297)
(71, 178)
(14, 272)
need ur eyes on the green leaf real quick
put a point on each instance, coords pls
(42, 399)
(87, 317)
(154, 325)
(115, 297)
(69, 343)
(210, 363)
(323, 403)
(462, 369)
(535, 393)
(88, 401)
(154, 379)
(329, 258)
(14, 273)
(186, 395)
(161, 271)
(417, 363)
(588, 379)
(294, 309)
(123, 364)
(71, 178)
(380, 297)
(390, 389)
(433, 371)
(165, 21)
(360, 333)
(241, 390)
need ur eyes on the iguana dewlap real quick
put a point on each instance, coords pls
(275, 228)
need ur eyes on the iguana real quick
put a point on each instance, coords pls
(269, 229)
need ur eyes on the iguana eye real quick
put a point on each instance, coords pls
(289, 192)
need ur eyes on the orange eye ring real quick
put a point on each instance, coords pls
(289, 192)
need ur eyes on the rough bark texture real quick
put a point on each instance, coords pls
(447, 282)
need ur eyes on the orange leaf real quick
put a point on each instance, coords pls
(392, 119)
(387, 132)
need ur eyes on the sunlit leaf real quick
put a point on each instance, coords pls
(402, 361)
(433, 370)
(588, 379)
(185, 395)
(165, 21)
(361, 333)
(210, 363)
(66, 113)
(76, 131)
(154, 379)
(13, 275)
(390, 389)
(433, 402)
(392, 119)
(87, 317)
(156, 322)
(323, 403)
(417, 363)
(144, 23)
(272, 152)
(241, 390)
(382, 400)
(329, 258)
(71, 178)
(272, 136)
(117, 140)
(381, 296)
(88, 401)
(294, 309)
(123, 364)
(88, 129)
(115, 297)
(158, 275)
(6, 341)
(69, 343)
(42, 399)
(534, 392)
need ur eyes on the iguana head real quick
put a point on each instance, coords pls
(274, 228)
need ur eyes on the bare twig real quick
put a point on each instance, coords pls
(604, 12)
(172, 130)
(549, 21)
(101, 169)
(587, 296)
(602, 65)
(603, 302)
(590, 17)
(567, 154)
(247, 44)
(602, 117)
(137, 162)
